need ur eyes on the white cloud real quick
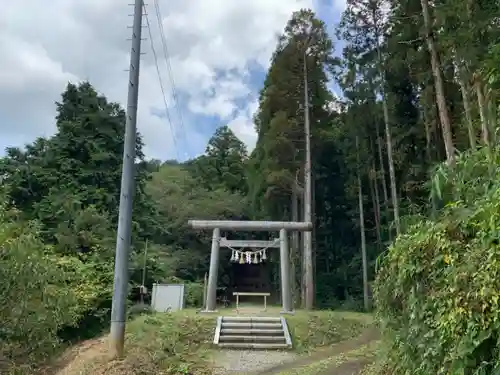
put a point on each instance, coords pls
(339, 6)
(211, 43)
(242, 124)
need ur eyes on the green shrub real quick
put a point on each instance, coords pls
(437, 291)
(34, 305)
(193, 294)
(41, 294)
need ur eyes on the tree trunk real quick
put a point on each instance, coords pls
(438, 83)
(482, 112)
(492, 115)
(437, 133)
(388, 136)
(462, 80)
(376, 205)
(383, 182)
(363, 237)
(392, 174)
(375, 196)
(428, 152)
(428, 139)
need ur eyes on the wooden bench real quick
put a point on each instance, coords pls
(257, 294)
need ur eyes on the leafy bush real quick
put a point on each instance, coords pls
(438, 288)
(41, 294)
(34, 302)
(194, 294)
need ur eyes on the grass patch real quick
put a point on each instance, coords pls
(165, 344)
(317, 329)
(181, 342)
(175, 343)
(364, 352)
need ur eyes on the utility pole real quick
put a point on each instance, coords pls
(308, 262)
(120, 289)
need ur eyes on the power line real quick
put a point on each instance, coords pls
(155, 56)
(169, 68)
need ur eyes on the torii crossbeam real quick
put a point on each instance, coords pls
(265, 226)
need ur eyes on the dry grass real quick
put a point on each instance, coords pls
(155, 344)
(77, 359)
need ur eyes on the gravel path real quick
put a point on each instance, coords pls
(230, 362)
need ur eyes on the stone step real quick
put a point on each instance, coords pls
(251, 325)
(251, 319)
(258, 339)
(250, 345)
(251, 331)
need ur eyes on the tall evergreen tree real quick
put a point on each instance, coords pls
(223, 164)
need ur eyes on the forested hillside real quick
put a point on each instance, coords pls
(405, 172)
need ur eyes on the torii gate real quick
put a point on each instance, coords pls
(263, 226)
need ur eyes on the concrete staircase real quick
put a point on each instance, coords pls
(252, 332)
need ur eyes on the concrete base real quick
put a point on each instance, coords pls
(287, 312)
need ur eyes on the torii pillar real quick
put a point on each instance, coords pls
(263, 226)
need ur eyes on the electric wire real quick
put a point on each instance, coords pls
(160, 80)
(166, 55)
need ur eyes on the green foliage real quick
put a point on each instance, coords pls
(58, 251)
(437, 289)
(193, 296)
(222, 166)
(41, 294)
(65, 191)
(277, 158)
(474, 177)
(83, 159)
(179, 197)
(276, 166)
